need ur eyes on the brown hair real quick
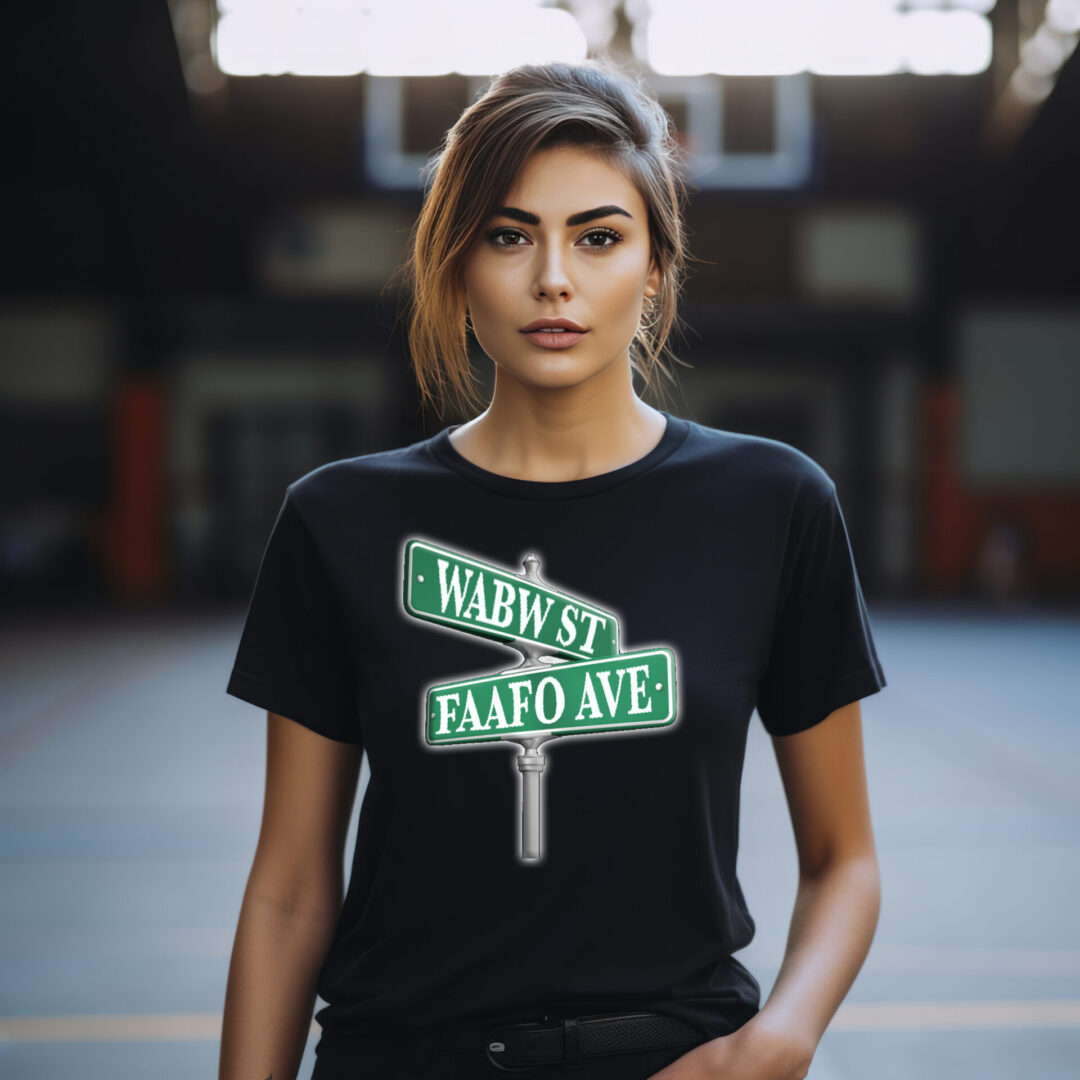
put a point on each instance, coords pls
(590, 104)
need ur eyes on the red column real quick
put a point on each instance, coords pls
(948, 514)
(135, 533)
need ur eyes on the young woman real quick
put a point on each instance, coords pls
(548, 627)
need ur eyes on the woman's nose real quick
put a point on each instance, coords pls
(552, 279)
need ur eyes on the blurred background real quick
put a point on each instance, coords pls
(203, 203)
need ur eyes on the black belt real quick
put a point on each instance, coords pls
(552, 1040)
(566, 1040)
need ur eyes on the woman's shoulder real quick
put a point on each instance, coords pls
(364, 474)
(764, 465)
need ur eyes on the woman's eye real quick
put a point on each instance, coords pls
(515, 234)
(512, 233)
(609, 234)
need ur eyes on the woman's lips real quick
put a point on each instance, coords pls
(556, 339)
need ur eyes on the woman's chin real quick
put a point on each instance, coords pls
(554, 369)
(556, 376)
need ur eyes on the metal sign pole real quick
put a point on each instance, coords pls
(531, 764)
(531, 760)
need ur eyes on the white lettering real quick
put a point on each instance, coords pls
(637, 688)
(605, 683)
(446, 714)
(588, 701)
(520, 705)
(594, 621)
(567, 620)
(560, 700)
(531, 613)
(502, 613)
(477, 603)
(453, 589)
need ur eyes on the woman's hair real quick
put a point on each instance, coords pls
(591, 104)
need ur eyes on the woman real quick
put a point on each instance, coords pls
(600, 591)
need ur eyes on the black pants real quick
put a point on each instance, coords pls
(352, 1059)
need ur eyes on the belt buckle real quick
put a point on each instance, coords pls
(494, 1048)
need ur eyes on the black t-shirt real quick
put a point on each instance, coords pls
(390, 575)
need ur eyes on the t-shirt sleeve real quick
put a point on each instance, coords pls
(823, 654)
(293, 658)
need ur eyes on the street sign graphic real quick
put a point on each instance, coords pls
(480, 598)
(631, 690)
(572, 679)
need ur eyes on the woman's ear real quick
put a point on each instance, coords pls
(652, 282)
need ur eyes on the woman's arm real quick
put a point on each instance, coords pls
(835, 913)
(291, 903)
(839, 894)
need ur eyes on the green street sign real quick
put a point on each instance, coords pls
(631, 690)
(443, 586)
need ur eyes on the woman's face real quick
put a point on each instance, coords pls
(529, 264)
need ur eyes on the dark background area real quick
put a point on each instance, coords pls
(163, 377)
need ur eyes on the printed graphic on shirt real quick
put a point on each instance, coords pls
(444, 586)
(633, 690)
(572, 679)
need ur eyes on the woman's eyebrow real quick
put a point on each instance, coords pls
(573, 219)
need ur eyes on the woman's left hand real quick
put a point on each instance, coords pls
(753, 1052)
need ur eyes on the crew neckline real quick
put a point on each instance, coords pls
(675, 432)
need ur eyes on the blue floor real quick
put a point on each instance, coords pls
(130, 790)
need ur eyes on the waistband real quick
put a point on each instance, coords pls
(525, 1044)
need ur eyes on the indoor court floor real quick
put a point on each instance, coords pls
(130, 790)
